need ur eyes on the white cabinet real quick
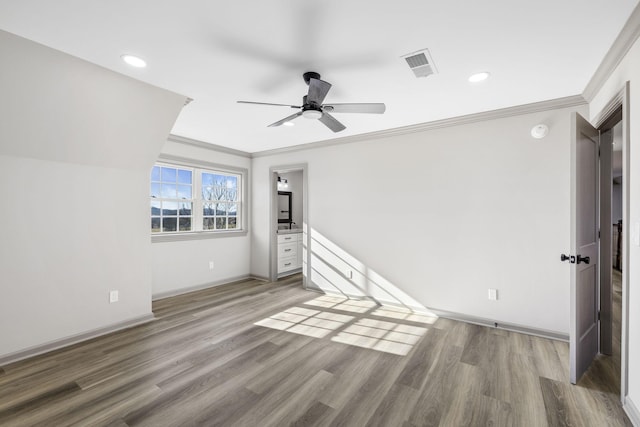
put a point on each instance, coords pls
(289, 252)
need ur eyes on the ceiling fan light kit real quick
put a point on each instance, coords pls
(313, 108)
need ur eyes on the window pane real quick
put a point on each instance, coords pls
(232, 209)
(185, 209)
(169, 224)
(155, 209)
(184, 192)
(232, 223)
(221, 223)
(169, 191)
(185, 224)
(169, 174)
(155, 173)
(232, 195)
(232, 182)
(208, 224)
(155, 225)
(184, 176)
(207, 179)
(221, 209)
(169, 208)
(220, 180)
(208, 209)
(155, 190)
(213, 193)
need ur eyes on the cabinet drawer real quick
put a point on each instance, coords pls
(286, 264)
(287, 250)
(287, 238)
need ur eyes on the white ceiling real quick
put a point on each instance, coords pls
(219, 52)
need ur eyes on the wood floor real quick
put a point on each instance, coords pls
(272, 354)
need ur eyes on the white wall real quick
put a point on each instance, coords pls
(76, 145)
(180, 266)
(443, 215)
(629, 70)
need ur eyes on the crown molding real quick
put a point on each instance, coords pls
(620, 47)
(536, 107)
(207, 146)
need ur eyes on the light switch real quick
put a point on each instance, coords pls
(493, 294)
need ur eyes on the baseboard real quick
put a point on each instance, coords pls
(632, 411)
(176, 292)
(74, 339)
(461, 317)
(554, 335)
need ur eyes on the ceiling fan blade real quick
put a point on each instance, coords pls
(318, 90)
(371, 108)
(286, 119)
(329, 121)
(268, 103)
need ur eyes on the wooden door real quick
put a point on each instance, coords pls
(583, 345)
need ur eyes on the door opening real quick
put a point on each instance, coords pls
(288, 222)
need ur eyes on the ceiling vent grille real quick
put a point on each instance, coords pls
(421, 63)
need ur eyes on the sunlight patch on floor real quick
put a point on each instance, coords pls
(372, 333)
(405, 314)
(303, 321)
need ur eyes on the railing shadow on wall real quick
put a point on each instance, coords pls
(361, 308)
(334, 270)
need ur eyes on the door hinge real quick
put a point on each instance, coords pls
(598, 315)
(598, 233)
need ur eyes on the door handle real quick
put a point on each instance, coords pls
(585, 259)
(570, 258)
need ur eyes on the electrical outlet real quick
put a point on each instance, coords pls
(211, 265)
(113, 296)
(493, 294)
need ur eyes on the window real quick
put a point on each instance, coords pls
(190, 199)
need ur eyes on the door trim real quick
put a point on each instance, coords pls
(621, 101)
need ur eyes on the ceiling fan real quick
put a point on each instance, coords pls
(313, 108)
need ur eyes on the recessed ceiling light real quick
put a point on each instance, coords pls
(134, 61)
(478, 77)
(289, 124)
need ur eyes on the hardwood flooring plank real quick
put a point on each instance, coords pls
(317, 414)
(422, 358)
(39, 398)
(434, 396)
(395, 408)
(228, 356)
(561, 408)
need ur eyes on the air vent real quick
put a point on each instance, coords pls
(421, 63)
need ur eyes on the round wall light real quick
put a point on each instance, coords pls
(539, 131)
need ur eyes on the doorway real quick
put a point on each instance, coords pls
(289, 217)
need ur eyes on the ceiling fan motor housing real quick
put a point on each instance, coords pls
(310, 75)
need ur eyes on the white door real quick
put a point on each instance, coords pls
(583, 345)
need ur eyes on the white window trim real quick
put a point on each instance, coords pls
(209, 234)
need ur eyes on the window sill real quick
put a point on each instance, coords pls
(196, 235)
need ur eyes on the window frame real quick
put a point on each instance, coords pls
(198, 167)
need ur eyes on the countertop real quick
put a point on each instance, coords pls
(287, 231)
